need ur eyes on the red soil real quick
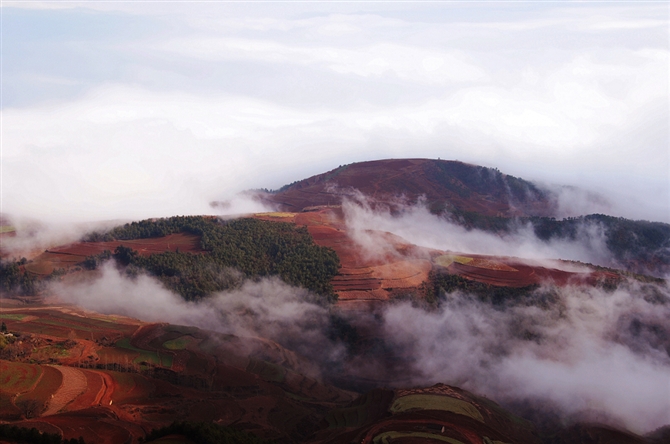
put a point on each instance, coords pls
(43, 392)
(67, 256)
(73, 384)
(363, 281)
(95, 389)
(394, 181)
(511, 272)
(184, 242)
(94, 425)
(361, 276)
(112, 406)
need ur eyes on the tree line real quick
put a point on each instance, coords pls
(236, 249)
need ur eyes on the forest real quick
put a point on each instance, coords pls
(236, 250)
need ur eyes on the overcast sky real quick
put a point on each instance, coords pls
(130, 110)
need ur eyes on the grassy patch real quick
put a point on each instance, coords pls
(64, 324)
(388, 437)
(347, 417)
(178, 344)
(275, 214)
(447, 259)
(12, 316)
(267, 372)
(436, 402)
(164, 360)
(373, 404)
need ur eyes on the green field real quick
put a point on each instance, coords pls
(436, 402)
(267, 371)
(12, 316)
(164, 360)
(388, 437)
(16, 377)
(347, 417)
(177, 344)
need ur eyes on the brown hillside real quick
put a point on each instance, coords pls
(444, 185)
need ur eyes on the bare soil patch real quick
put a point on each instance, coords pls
(74, 383)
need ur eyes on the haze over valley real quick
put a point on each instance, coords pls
(334, 223)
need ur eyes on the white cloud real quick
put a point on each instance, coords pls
(409, 63)
(225, 97)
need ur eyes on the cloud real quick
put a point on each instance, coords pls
(583, 354)
(223, 97)
(413, 64)
(267, 308)
(418, 226)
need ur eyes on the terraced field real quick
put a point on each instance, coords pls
(365, 281)
(151, 375)
(435, 402)
(431, 414)
(68, 256)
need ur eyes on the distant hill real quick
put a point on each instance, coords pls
(109, 379)
(446, 185)
(478, 197)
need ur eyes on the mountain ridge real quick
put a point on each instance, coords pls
(161, 372)
(442, 184)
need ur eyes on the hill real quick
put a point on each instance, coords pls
(445, 185)
(387, 319)
(477, 197)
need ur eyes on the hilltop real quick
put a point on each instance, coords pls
(348, 371)
(445, 185)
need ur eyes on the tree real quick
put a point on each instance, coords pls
(124, 255)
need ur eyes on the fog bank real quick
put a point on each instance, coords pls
(419, 227)
(591, 355)
(587, 354)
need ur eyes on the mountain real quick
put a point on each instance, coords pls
(477, 197)
(445, 185)
(300, 326)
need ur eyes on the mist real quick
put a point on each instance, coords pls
(418, 226)
(188, 104)
(585, 355)
(267, 308)
(32, 235)
(591, 356)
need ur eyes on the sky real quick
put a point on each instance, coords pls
(128, 110)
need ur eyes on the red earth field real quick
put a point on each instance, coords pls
(364, 279)
(368, 279)
(111, 379)
(68, 256)
(133, 377)
(251, 383)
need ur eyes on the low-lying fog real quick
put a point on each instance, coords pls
(419, 227)
(588, 355)
(585, 353)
